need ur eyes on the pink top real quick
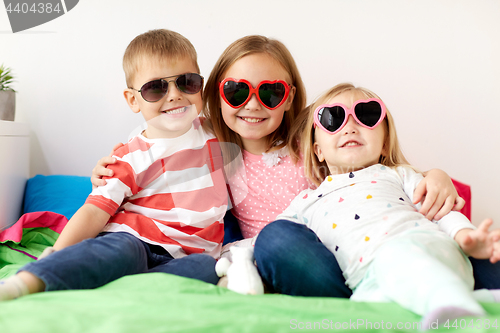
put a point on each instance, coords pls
(265, 188)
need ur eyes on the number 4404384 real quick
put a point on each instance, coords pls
(472, 323)
(38, 8)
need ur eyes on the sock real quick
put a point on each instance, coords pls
(485, 295)
(439, 316)
(496, 294)
(12, 287)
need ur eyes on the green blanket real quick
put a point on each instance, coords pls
(14, 255)
(158, 302)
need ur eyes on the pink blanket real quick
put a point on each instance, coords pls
(54, 221)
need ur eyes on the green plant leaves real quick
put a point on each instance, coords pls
(6, 78)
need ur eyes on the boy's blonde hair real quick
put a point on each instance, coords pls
(160, 45)
(317, 171)
(248, 45)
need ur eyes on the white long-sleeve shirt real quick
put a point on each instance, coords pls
(354, 213)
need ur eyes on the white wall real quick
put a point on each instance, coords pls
(436, 64)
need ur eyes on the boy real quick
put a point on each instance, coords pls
(163, 209)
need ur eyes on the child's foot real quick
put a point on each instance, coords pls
(222, 282)
(496, 294)
(12, 287)
(438, 317)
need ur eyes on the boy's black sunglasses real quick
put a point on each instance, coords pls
(153, 91)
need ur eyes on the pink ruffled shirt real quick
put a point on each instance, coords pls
(264, 188)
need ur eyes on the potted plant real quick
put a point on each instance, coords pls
(7, 95)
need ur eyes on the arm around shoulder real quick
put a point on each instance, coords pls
(101, 170)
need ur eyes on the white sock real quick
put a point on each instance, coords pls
(439, 316)
(12, 287)
(496, 294)
(487, 295)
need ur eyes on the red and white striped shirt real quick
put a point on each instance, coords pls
(168, 192)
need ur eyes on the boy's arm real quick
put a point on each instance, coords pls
(87, 222)
(480, 243)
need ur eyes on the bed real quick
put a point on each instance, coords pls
(157, 302)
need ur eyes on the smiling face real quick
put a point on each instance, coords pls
(253, 121)
(354, 147)
(172, 115)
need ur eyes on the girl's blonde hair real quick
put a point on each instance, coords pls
(317, 171)
(248, 45)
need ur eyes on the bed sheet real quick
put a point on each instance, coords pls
(157, 302)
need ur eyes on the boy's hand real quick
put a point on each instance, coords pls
(480, 243)
(437, 194)
(100, 169)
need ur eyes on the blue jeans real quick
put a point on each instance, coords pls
(110, 256)
(292, 260)
(232, 232)
(486, 274)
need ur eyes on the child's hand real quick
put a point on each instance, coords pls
(100, 169)
(48, 251)
(480, 243)
(246, 242)
(437, 194)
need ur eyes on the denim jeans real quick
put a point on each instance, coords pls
(232, 232)
(94, 262)
(486, 274)
(292, 260)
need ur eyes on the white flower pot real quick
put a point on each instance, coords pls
(7, 105)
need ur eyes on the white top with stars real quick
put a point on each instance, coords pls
(354, 213)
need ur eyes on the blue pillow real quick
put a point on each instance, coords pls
(66, 194)
(56, 193)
